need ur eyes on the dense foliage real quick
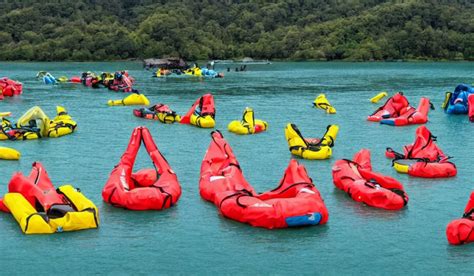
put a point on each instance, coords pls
(225, 29)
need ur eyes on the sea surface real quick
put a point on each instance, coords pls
(191, 237)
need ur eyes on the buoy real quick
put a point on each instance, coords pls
(9, 154)
(132, 99)
(378, 97)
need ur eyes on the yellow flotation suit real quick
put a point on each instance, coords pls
(9, 154)
(311, 148)
(34, 124)
(195, 71)
(322, 102)
(5, 114)
(132, 99)
(63, 79)
(248, 124)
(202, 121)
(32, 222)
(378, 97)
(62, 124)
(8, 131)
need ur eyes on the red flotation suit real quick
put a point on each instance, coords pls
(38, 190)
(470, 101)
(147, 189)
(461, 231)
(202, 106)
(10, 88)
(295, 202)
(357, 179)
(392, 108)
(429, 160)
(410, 116)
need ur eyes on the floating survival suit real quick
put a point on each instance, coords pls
(132, 99)
(461, 101)
(40, 208)
(202, 113)
(10, 88)
(146, 189)
(356, 178)
(248, 124)
(295, 202)
(398, 112)
(322, 102)
(423, 158)
(160, 112)
(311, 148)
(461, 231)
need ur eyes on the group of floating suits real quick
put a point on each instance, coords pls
(190, 72)
(10, 88)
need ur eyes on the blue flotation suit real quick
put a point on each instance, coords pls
(458, 102)
(208, 73)
(49, 79)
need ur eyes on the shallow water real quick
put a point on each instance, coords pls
(191, 237)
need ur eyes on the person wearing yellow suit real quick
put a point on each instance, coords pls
(322, 102)
(62, 124)
(248, 124)
(311, 148)
(132, 99)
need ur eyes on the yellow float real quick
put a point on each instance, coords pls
(35, 124)
(248, 124)
(378, 97)
(132, 99)
(9, 154)
(311, 148)
(201, 113)
(322, 102)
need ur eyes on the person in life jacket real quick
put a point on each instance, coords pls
(154, 188)
(461, 101)
(160, 112)
(295, 202)
(356, 178)
(122, 82)
(398, 112)
(423, 158)
(202, 113)
(461, 231)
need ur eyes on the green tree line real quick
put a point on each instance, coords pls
(225, 29)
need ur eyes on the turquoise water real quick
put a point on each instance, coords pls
(191, 237)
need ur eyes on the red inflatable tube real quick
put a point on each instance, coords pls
(36, 188)
(410, 115)
(461, 231)
(147, 189)
(391, 108)
(206, 106)
(357, 179)
(470, 101)
(295, 202)
(75, 79)
(424, 158)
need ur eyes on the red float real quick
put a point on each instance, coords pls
(146, 189)
(461, 231)
(10, 88)
(203, 106)
(295, 202)
(357, 179)
(423, 158)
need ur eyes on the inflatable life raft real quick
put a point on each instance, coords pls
(10, 88)
(132, 99)
(356, 178)
(40, 208)
(311, 148)
(423, 158)
(202, 113)
(461, 231)
(322, 102)
(461, 101)
(9, 154)
(248, 124)
(146, 189)
(378, 97)
(398, 112)
(295, 202)
(36, 124)
(160, 112)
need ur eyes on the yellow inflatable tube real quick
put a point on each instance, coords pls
(32, 222)
(132, 99)
(248, 124)
(202, 121)
(9, 154)
(312, 149)
(322, 102)
(378, 97)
